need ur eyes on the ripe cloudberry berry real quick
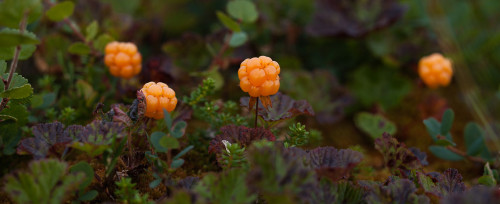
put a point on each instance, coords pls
(123, 59)
(435, 70)
(158, 96)
(259, 77)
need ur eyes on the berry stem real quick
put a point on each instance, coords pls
(256, 111)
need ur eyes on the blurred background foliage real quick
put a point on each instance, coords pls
(342, 56)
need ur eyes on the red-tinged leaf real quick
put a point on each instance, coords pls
(353, 18)
(396, 156)
(48, 138)
(451, 182)
(120, 116)
(183, 114)
(397, 191)
(238, 134)
(332, 163)
(477, 194)
(283, 108)
(100, 132)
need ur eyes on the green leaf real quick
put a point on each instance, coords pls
(12, 11)
(101, 41)
(46, 181)
(177, 163)
(91, 31)
(374, 125)
(90, 195)
(382, 86)
(18, 92)
(168, 119)
(433, 127)
(179, 129)
(4, 118)
(60, 11)
(243, 10)
(155, 141)
(3, 67)
(79, 48)
(121, 7)
(473, 136)
(488, 177)
(487, 181)
(7, 53)
(445, 142)
(12, 37)
(447, 121)
(238, 39)
(16, 111)
(183, 152)
(17, 81)
(87, 170)
(155, 183)
(228, 22)
(443, 153)
(169, 142)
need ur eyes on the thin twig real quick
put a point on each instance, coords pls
(256, 111)
(463, 154)
(218, 57)
(77, 32)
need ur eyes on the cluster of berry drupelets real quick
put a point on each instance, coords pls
(158, 96)
(435, 70)
(259, 77)
(123, 59)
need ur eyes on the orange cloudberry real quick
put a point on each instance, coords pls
(158, 96)
(435, 70)
(259, 77)
(123, 59)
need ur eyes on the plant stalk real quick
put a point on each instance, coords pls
(13, 63)
(463, 154)
(256, 111)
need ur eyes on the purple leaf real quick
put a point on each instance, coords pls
(333, 163)
(100, 132)
(477, 194)
(451, 182)
(238, 134)
(421, 156)
(283, 107)
(396, 156)
(48, 137)
(396, 191)
(188, 183)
